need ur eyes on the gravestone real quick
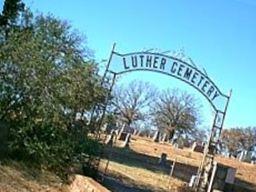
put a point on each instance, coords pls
(193, 146)
(176, 145)
(121, 131)
(127, 140)
(122, 136)
(163, 159)
(110, 138)
(104, 127)
(180, 143)
(197, 147)
(164, 137)
(223, 178)
(156, 136)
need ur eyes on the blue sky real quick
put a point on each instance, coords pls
(219, 36)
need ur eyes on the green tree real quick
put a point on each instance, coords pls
(11, 10)
(47, 78)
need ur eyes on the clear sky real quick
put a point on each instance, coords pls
(218, 35)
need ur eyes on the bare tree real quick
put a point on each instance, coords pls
(130, 102)
(238, 138)
(199, 135)
(175, 112)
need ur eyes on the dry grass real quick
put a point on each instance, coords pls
(135, 167)
(17, 177)
(125, 166)
(145, 179)
(146, 146)
(246, 173)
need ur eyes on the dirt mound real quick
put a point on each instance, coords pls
(85, 184)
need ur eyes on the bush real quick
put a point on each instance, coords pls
(47, 78)
(51, 147)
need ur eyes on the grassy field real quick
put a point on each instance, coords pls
(137, 166)
(133, 169)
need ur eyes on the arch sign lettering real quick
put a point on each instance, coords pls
(144, 61)
(168, 65)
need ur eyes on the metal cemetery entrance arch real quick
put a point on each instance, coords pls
(179, 69)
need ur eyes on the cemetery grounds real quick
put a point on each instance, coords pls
(137, 168)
